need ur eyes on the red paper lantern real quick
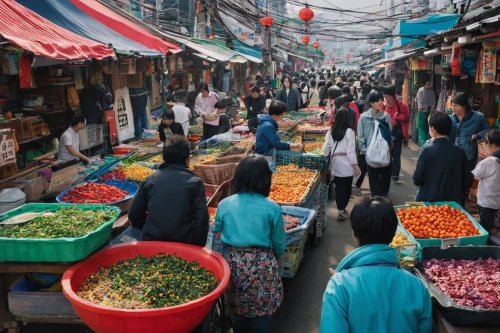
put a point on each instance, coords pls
(306, 39)
(316, 45)
(306, 14)
(267, 21)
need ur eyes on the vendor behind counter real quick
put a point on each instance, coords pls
(69, 146)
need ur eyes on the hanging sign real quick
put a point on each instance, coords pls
(124, 115)
(488, 64)
(7, 152)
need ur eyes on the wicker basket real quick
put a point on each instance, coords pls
(231, 159)
(234, 151)
(215, 174)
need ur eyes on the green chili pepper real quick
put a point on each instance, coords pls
(66, 222)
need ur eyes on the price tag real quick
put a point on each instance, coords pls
(446, 243)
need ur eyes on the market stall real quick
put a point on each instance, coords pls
(444, 246)
(114, 183)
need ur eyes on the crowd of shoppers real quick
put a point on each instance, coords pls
(368, 129)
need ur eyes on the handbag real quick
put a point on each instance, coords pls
(329, 177)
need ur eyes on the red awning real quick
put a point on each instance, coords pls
(124, 26)
(32, 32)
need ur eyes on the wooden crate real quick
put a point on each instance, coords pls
(8, 170)
(39, 129)
(14, 125)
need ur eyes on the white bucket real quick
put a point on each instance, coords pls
(11, 198)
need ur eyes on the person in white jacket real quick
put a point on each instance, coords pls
(340, 145)
(205, 107)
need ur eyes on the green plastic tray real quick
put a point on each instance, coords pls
(469, 240)
(58, 249)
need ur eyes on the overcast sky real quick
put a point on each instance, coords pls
(346, 4)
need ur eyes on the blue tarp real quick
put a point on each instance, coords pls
(247, 50)
(68, 16)
(432, 24)
(410, 30)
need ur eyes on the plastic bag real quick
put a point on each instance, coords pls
(378, 153)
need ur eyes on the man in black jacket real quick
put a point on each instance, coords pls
(443, 172)
(255, 104)
(170, 204)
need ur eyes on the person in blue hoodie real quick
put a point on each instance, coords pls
(267, 139)
(369, 291)
(254, 241)
(468, 126)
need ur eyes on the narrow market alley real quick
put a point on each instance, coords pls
(301, 309)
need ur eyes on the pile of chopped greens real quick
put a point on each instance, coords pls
(65, 223)
(163, 280)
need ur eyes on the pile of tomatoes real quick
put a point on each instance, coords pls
(436, 222)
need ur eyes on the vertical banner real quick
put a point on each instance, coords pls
(124, 115)
(488, 64)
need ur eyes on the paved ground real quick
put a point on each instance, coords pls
(301, 309)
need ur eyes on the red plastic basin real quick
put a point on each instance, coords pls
(179, 319)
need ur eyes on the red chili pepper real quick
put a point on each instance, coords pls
(117, 174)
(94, 193)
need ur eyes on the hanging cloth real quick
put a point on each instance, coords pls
(25, 78)
(73, 99)
(441, 104)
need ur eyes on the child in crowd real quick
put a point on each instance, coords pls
(168, 125)
(488, 174)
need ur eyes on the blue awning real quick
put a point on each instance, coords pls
(422, 27)
(247, 50)
(69, 17)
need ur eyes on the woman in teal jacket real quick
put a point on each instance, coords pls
(369, 292)
(254, 241)
(467, 127)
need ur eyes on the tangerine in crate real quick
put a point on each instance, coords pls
(436, 222)
(287, 194)
(297, 178)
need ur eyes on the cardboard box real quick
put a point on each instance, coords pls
(33, 186)
(134, 80)
(118, 81)
(60, 180)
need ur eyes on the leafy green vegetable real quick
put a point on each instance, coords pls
(219, 149)
(66, 222)
(133, 159)
(143, 283)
